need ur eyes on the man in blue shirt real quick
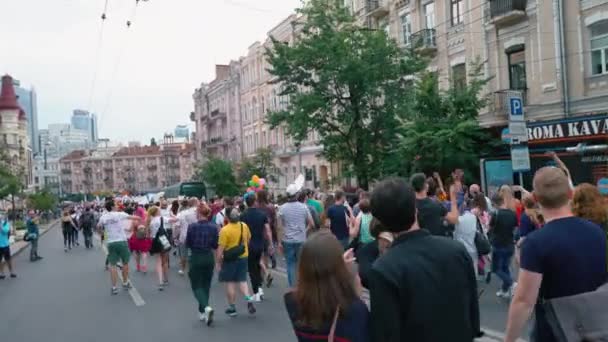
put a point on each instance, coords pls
(338, 215)
(5, 250)
(33, 233)
(566, 257)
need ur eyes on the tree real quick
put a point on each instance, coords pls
(262, 164)
(443, 132)
(219, 174)
(345, 82)
(153, 142)
(43, 200)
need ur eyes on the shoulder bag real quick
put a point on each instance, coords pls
(482, 244)
(233, 254)
(580, 317)
(161, 242)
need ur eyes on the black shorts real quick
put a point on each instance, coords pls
(5, 253)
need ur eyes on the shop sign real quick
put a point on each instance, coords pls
(587, 127)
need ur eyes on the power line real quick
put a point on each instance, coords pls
(97, 54)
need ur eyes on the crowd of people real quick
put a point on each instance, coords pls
(421, 249)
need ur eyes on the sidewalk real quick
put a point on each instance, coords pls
(20, 245)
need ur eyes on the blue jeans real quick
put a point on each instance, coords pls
(292, 254)
(501, 262)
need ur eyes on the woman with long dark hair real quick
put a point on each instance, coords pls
(325, 303)
(67, 228)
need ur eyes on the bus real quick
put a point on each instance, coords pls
(186, 189)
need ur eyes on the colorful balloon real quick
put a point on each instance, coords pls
(255, 178)
(262, 181)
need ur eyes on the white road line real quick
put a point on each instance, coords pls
(135, 296)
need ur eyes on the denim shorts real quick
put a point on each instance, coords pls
(234, 271)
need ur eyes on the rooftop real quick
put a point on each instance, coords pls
(8, 99)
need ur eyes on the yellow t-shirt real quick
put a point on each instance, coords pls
(230, 235)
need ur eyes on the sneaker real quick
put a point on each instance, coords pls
(209, 315)
(38, 257)
(180, 272)
(251, 308)
(512, 289)
(202, 317)
(166, 283)
(502, 294)
(127, 285)
(13, 275)
(269, 280)
(256, 298)
(161, 287)
(2, 276)
(65, 249)
(231, 311)
(114, 291)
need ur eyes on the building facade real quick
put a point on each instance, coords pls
(135, 169)
(84, 121)
(46, 174)
(217, 116)
(61, 139)
(14, 134)
(28, 102)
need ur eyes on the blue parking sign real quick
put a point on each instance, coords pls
(516, 109)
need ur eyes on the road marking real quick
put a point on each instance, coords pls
(490, 335)
(135, 296)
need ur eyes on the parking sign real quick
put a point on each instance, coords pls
(516, 108)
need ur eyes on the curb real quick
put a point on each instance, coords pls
(42, 233)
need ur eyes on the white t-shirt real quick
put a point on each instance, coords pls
(219, 218)
(465, 231)
(155, 225)
(185, 219)
(114, 225)
(166, 213)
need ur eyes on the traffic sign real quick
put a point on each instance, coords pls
(516, 108)
(520, 158)
(518, 132)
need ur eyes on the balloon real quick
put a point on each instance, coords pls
(261, 186)
(262, 181)
(255, 178)
(256, 184)
(250, 183)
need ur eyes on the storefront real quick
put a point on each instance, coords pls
(580, 142)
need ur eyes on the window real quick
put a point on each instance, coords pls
(599, 48)
(429, 15)
(517, 69)
(457, 12)
(256, 143)
(406, 28)
(459, 76)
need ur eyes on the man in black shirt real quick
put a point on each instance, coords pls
(257, 221)
(430, 213)
(502, 226)
(423, 288)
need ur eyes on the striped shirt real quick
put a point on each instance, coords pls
(294, 216)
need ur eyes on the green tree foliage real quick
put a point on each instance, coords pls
(153, 142)
(262, 164)
(219, 174)
(10, 183)
(443, 132)
(43, 200)
(345, 82)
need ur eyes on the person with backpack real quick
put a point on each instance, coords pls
(161, 244)
(566, 257)
(87, 222)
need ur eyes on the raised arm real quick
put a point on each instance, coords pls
(452, 216)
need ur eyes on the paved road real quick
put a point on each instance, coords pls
(66, 297)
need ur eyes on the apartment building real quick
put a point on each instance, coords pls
(241, 96)
(217, 115)
(136, 169)
(554, 53)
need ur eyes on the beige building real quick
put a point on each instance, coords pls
(135, 169)
(217, 115)
(13, 132)
(241, 96)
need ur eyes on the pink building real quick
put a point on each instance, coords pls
(136, 169)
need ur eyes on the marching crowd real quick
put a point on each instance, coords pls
(421, 251)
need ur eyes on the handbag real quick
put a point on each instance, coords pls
(482, 244)
(141, 233)
(161, 242)
(232, 254)
(580, 317)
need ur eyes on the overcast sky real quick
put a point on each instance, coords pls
(171, 47)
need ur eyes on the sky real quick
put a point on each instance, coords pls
(139, 80)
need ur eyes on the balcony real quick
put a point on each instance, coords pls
(424, 41)
(499, 102)
(377, 8)
(214, 142)
(66, 171)
(215, 114)
(505, 12)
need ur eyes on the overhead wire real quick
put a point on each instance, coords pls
(98, 49)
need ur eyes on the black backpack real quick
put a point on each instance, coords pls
(87, 220)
